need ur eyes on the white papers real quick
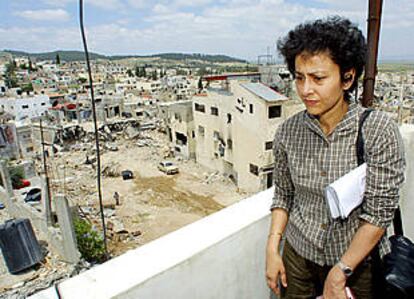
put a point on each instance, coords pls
(347, 192)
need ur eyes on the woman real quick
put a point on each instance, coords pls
(316, 147)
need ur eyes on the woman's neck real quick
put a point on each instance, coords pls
(330, 119)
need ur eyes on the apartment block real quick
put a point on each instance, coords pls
(235, 123)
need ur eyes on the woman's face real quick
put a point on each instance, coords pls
(319, 85)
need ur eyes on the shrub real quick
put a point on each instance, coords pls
(90, 243)
(16, 176)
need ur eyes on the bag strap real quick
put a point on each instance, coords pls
(360, 137)
(397, 220)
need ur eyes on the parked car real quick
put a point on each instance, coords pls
(168, 167)
(127, 175)
(34, 195)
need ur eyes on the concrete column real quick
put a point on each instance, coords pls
(6, 179)
(71, 253)
(407, 192)
(46, 201)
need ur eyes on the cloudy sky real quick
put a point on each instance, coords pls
(240, 28)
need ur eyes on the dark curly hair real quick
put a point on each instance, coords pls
(337, 36)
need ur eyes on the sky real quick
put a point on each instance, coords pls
(238, 28)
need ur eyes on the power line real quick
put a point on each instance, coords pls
(98, 156)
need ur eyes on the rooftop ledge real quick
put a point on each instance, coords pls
(219, 256)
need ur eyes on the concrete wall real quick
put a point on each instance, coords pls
(407, 192)
(219, 256)
(36, 106)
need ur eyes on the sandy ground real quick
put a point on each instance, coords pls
(152, 203)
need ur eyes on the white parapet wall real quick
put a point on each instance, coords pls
(221, 256)
(407, 192)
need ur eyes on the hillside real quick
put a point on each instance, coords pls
(79, 55)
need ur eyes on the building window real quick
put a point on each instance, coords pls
(25, 106)
(201, 131)
(275, 111)
(228, 118)
(214, 111)
(181, 139)
(268, 145)
(200, 108)
(254, 169)
(216, 135)
(229, 144)
(43, 104)
(251, 108)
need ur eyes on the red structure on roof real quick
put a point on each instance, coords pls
(227, 76)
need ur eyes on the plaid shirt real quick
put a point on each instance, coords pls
(306, 161)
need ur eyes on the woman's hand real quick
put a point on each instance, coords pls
(334, 287)
(274, 267)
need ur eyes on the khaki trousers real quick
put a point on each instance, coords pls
(306, 279)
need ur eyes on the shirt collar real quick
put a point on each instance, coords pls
(348, 123)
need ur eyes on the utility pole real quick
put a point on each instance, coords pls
(374, 22)
(48, 197)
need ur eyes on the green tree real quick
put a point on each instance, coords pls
(10, 75)
(200, 84)
(129, 73)
(154, 75)
(90, 243)
(31, 68)
(57, 58)
(82, 80)
(27, 87)
(16, 176)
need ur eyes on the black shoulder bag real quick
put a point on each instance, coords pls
(395, 273)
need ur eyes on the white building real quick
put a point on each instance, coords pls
(179, 120)
(149, 86)
(25, 141)
(234, 131)
(26, 106)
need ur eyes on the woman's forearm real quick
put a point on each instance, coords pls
(277, 227)
(365, 239)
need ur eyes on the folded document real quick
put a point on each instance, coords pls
(347, 192)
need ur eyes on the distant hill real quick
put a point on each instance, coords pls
(79, 55)
(64, 55)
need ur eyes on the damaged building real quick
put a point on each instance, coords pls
(235, 122)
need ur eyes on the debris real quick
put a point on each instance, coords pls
(109, 212)
(136, 233)
(91, 160)
(111, 170)
(111, 147)
(116, 197)
(131, 133)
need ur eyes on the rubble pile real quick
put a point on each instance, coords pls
(50, 272)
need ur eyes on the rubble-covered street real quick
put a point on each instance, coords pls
(152, 203)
